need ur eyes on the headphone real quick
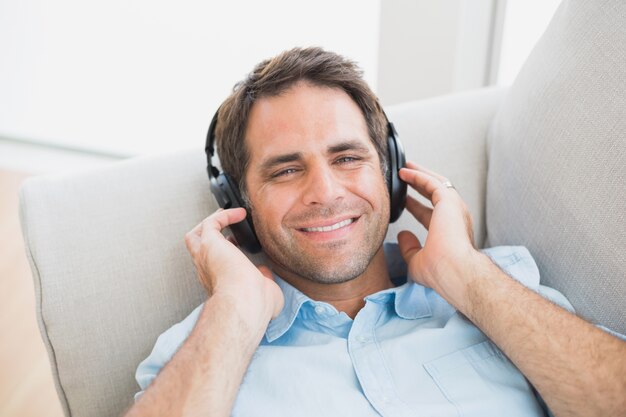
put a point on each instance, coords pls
(227, 194)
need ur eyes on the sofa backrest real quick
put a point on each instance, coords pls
(557, 159)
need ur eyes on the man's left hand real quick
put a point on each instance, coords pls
(449, 245)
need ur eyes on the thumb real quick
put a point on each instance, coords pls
(409, 245)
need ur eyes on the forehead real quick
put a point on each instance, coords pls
(305, 118)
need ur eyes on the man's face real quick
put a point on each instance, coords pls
(318, 198)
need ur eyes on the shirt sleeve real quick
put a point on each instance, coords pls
(164, 349)
(556, 297)
(612, 332)
(519, 264)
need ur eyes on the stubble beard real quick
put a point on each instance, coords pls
(283, 250)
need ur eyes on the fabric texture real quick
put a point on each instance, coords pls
(107, 251)
(111, 269)
(557, 159)
(407, 352)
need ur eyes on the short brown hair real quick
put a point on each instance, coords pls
(276, 75)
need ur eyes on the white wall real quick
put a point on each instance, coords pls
(140, 76)
(429, 48)
(524, 23)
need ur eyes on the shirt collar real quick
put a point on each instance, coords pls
(409, 299)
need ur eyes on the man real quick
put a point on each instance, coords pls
(327, 329)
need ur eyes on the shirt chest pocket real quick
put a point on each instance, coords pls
(480, 381)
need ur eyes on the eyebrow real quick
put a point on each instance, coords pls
(280, 159)
(349, 145)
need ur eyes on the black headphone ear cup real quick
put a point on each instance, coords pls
(227, 194)
(397, 187)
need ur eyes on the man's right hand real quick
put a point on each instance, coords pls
(224, 270)
(204, 375)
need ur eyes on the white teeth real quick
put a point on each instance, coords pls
(329, 228)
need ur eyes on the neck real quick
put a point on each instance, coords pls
(346, 296)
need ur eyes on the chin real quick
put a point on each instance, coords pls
(334, 269)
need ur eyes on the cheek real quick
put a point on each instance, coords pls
(371, 186)
(271, 208)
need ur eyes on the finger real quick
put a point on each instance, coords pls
(413, 165)
(409, 245)
(422, 213)
(193, 237)
(197, 230)
(423, 183)
(213, 225)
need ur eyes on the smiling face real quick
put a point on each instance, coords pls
(318, 197)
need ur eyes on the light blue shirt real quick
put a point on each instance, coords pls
(406, 353)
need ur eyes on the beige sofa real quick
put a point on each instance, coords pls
(542, 164)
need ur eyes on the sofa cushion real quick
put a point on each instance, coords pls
(557, 159)
(111, 270)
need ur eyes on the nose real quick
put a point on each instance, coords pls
(322, 186)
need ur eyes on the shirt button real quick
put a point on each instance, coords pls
(362, 338)
(320, 310)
